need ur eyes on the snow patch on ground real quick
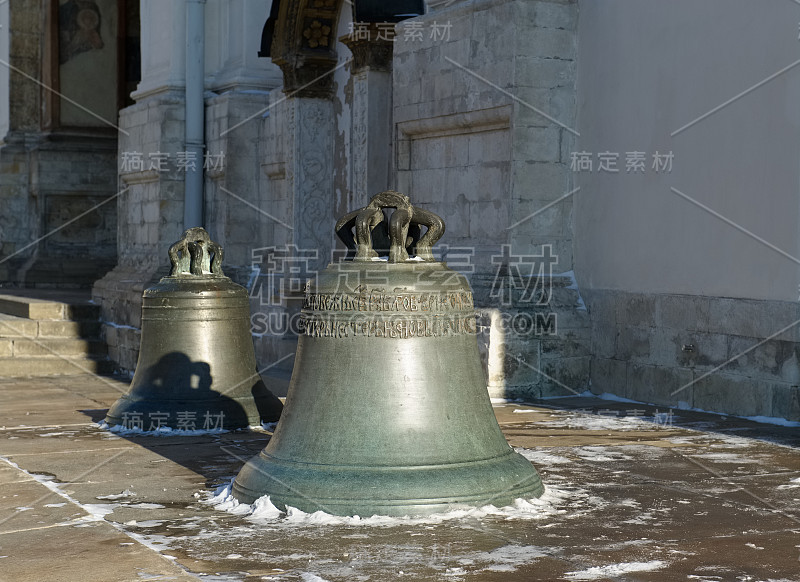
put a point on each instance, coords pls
(126, 493)
(158, 543)
(608, 396)
(626, 545)
(601, 454)
(505, 400)
(145, 523)
(99, 510)
(772, 420)
(776, 420)
(541, 458)
(600, 422)
(726, 458)
(555, 501)
(793, 484)
(615, 570)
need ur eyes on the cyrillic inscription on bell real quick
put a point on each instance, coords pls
(387, 410)
(197, 367)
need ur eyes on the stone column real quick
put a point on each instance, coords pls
(312, 175)
(371, 110)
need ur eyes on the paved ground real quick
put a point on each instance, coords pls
(632, 495)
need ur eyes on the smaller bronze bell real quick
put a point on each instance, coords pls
(197, 367)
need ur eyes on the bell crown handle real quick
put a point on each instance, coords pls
(405, 216)
(196, 255)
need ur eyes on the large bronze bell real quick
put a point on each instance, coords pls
(197, 367)
(387, 410)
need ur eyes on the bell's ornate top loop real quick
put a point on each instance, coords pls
(196, 255)
(400, 233)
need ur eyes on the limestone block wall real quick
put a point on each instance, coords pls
(274, 192)
(151, 217)
(48, 182)
(232, 194)
(720, 354)
(484, 113)
(17, 224)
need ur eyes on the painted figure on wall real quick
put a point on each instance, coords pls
(78, 28)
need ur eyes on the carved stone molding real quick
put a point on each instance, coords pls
(307, 77)
(312, 176)
(372, 46)
(304, 46)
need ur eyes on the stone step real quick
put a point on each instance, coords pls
(59, 347)
(12, 327)
(87, 328)
(45, 308)
(52, 366)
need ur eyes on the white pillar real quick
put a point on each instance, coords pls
(233, 33)
(163, 47)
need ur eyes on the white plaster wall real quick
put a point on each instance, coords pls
(645, 69)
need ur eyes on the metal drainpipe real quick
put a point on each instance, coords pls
(195, 112)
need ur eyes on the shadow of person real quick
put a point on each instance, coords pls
(178, 393)
(269, 406)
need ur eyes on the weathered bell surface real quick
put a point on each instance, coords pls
(387, 410)
(197, 367)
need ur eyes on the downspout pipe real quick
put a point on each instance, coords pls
(195, 112)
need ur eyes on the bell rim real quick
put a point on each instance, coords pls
(418, 489)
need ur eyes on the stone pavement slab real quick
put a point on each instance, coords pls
(630, 496)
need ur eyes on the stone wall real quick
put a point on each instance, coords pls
(732, 356)
(57, 185)
(233, 134)
(59, 189)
